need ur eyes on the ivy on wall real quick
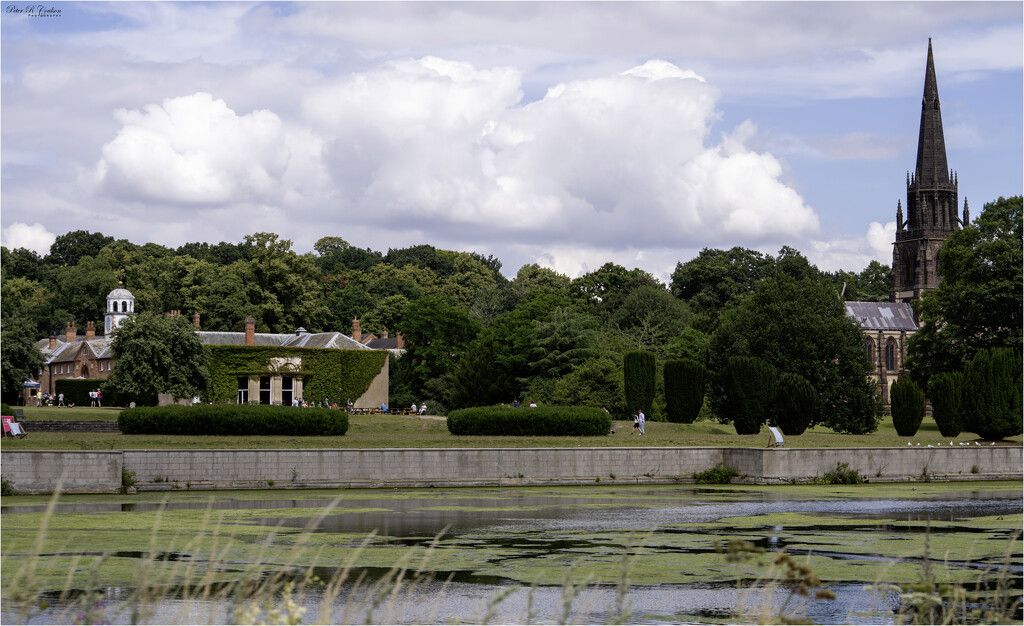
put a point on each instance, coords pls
(326, 372)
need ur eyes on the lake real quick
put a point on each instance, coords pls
(599, 553)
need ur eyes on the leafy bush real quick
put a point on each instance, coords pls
(76, 390)
(944, 392)
(991, 394)
(549, 421)
(685, 383)
(841, 475)
(204, 419)
(794, 404)
(749, 385)
(6, 409)
(907, 402)
(638, 373)
(720, 474)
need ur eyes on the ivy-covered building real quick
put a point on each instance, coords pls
(245, 366)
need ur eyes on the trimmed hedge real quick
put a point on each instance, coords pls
(685, 384)
(944, 392)
(991, 394)
(749, 392)
(639, 371)
(907, 402)
(794, 404)
(236, 419)
(542, 421)
(77, 390)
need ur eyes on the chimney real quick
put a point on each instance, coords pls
(300, 331)
(70, 333)
(250, 331)
(384, 333)
(357, 333)
(90, 331)
(399, 341)
(195, 320)
(53, 340)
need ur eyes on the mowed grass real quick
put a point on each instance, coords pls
(391, 431)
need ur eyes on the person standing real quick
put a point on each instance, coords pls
(640, 418)
(60, 399)
(636, 423)
(99, 398)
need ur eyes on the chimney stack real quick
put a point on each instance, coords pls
(70, 333)
(384, 333)
(90, 331)
(53, 340)
(195, 320)
(357, 333)
(399, 341)
(250, 331)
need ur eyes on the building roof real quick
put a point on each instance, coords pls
(65, 352)
(882, 315)
(296, 340)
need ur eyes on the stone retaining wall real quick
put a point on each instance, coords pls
(38, 472)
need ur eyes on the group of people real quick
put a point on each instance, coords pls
(96, 398)
(49, 399)
(419, 410)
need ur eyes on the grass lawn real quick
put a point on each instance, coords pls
(392, 431)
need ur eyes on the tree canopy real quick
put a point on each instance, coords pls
(978, 304)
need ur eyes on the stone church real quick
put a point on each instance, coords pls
(930, 219)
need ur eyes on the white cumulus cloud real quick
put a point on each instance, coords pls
(432, 143)
(194, 150)
(34, 237)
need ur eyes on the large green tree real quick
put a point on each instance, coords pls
(801, 327)
(979, 301)
(19, 358)
(157, 354)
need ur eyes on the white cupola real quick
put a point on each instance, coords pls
(120, 305)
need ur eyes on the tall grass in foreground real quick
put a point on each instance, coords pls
(270, 589)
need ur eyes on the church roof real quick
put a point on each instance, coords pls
(882, 315)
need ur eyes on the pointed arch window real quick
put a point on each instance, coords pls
(890, 355)
(869, 349)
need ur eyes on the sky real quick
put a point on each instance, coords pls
(567, 134)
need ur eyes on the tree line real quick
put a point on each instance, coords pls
(475, 337)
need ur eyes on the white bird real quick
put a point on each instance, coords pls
(976, 443)
(909, 444)
(950, 443)
(918, 444)
(992, 444)
(930, 446)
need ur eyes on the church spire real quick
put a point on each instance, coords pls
(931, 146)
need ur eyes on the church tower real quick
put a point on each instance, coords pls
(120, 306)
(931, 203)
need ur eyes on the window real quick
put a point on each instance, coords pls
(264, 389)
(890, 355)
(243, 391)
(286, 390)
(869, 349)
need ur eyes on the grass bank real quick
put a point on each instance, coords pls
(392, 431)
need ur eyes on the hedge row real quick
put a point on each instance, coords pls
(76, 390)
(239, 419)
(545, 421)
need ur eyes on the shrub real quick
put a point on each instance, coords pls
(907, 405)
(794, 404)
(991, 393)
(720, 474)
(550, 421)
(685, 383)
(841, 475)
(204, 419)
(749, 385)
(5, 409)
(638, 372)
(944, 393)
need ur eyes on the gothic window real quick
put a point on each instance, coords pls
(869, 349)
(890, 355)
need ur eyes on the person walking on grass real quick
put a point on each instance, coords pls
(640, 418)
(636, 423)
